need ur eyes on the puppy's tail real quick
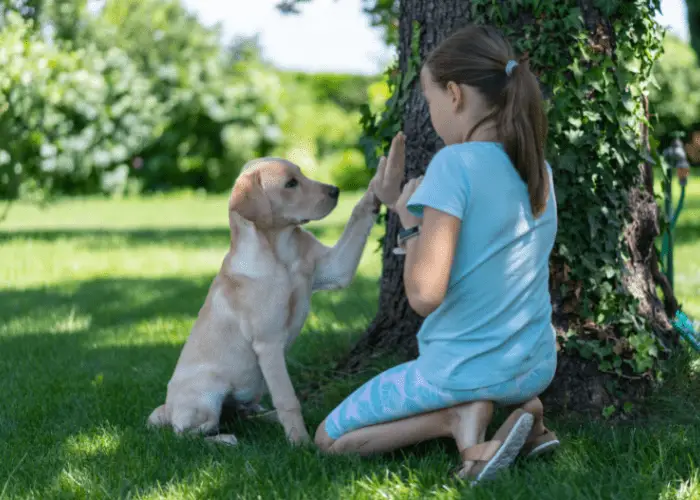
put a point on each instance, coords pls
(158, 418)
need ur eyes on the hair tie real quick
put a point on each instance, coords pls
(510, 66)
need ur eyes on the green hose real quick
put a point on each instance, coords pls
(667, 244)
(679, 207)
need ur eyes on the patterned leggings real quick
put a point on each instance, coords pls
(402, 391)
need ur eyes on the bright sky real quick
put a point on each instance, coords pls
(331, 35)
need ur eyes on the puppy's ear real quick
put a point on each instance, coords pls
(249, 201)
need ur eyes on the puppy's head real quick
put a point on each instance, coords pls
(273, 193)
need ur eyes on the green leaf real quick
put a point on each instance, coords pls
(608, 411)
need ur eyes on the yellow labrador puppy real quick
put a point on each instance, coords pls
(259, 300)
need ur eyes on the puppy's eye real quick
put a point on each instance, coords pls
(291, 183)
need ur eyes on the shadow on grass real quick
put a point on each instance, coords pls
(109, 302)
(114, 302)
(187, 237)
(72, 406)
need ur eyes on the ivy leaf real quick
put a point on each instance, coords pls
(608, 411)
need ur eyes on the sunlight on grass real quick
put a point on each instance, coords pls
(86, 445)
(406, 484)
(687, 489)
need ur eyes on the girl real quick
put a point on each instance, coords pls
(477, 233)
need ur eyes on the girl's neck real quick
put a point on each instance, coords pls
(486, 132)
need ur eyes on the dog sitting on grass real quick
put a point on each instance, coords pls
(260, 298)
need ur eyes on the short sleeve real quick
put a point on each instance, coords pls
(445, 186)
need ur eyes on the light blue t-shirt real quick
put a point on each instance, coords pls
(495, 321)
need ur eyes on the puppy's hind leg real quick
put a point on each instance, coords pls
(158, 418)
(203, 421)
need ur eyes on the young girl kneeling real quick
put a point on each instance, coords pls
(477, 233)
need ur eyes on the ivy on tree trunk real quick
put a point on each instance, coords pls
(593, 59)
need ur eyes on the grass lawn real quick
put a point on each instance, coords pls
(96, 299)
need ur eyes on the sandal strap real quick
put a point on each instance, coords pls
(482, 452)
(546, 437)
(488, 449)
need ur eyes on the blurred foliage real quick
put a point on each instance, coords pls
(221, 111)
(348, 169)
(64, 18)
(321, 124)
(138, 95)
(69, 119)
(675, 101)
(347, 91)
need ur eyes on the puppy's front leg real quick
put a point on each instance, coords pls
(336, 266)
(274, 370)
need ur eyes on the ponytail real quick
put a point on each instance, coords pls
(522, 125)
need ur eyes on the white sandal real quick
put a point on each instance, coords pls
(501, 451)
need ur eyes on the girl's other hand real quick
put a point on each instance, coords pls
(406, 217)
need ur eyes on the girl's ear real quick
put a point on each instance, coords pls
(456, 94)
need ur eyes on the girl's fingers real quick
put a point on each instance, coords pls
(397, 152)
(412, 185)
(381, 170)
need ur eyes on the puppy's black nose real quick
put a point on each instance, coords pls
(334, 192)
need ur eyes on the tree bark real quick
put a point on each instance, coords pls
(578, 385)
(395, 326)
(693, 7)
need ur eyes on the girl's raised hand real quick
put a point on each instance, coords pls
(386, 183)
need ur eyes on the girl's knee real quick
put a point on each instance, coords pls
(322, 439)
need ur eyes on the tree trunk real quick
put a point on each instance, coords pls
(578, 385)
(395, 326)
(693, 7)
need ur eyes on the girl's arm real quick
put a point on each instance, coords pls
(429, 260)
(429, 256)
(440, 203)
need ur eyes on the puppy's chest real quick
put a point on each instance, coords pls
(299, 276)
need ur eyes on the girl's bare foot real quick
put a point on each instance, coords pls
(468, 423)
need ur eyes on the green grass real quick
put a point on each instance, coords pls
(96, 299)
(686, 249)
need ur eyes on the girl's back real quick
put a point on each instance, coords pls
(495, 320)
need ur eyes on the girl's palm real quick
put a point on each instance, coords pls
(386, 183)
